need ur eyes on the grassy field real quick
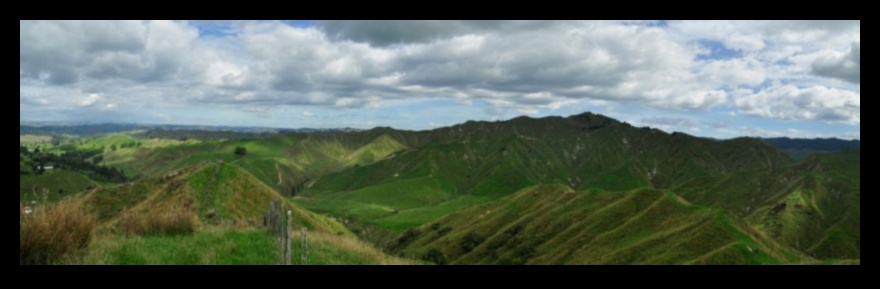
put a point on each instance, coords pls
(33, 140)
(209, 247)
(57, 184)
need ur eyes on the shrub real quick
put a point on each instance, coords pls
(406, 239)
(240, 151)
(52, 233)
(160, 222)
(471, 242)
(435, 256)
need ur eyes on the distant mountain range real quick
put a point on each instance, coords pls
(87, 130)
(802, 148)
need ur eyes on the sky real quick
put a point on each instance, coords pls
(720, 79)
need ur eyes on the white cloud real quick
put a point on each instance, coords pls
(746, 43)
(792, 103)
(90, 100)
(524, 67)
(845, 66)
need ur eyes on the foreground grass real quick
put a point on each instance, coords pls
(328, 249)
(228, 246)
(207, 247)
(52, 233)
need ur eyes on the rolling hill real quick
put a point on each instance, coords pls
(230, 204)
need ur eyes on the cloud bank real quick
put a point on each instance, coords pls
(780, 70)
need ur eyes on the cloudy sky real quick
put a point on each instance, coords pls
(710, 78)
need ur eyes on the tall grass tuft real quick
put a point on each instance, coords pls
(53, 233)
(169, 221)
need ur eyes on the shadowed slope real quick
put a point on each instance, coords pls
(554, 225)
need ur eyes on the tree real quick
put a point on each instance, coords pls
(98, 160)
(24, 150)
(240, 151)
(113, 148)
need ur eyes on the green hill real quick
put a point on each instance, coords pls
(811, 206)
(453, 168)
(229, 203)
(822, 216)
(217, 192)
(555, 225)
(286, 162)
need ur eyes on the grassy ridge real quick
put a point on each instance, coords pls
(210, 247)
(822, 216)
(284, 162)
(216, 192)
(229, 203)
(554, 225)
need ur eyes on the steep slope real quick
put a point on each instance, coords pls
(556, 225)
(479, 162)
(822, 216)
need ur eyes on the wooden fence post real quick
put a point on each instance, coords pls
(305, 247)
(289, 236)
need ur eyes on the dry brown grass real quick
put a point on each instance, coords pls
(354, 246)
(169, 221)
(53, 233)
